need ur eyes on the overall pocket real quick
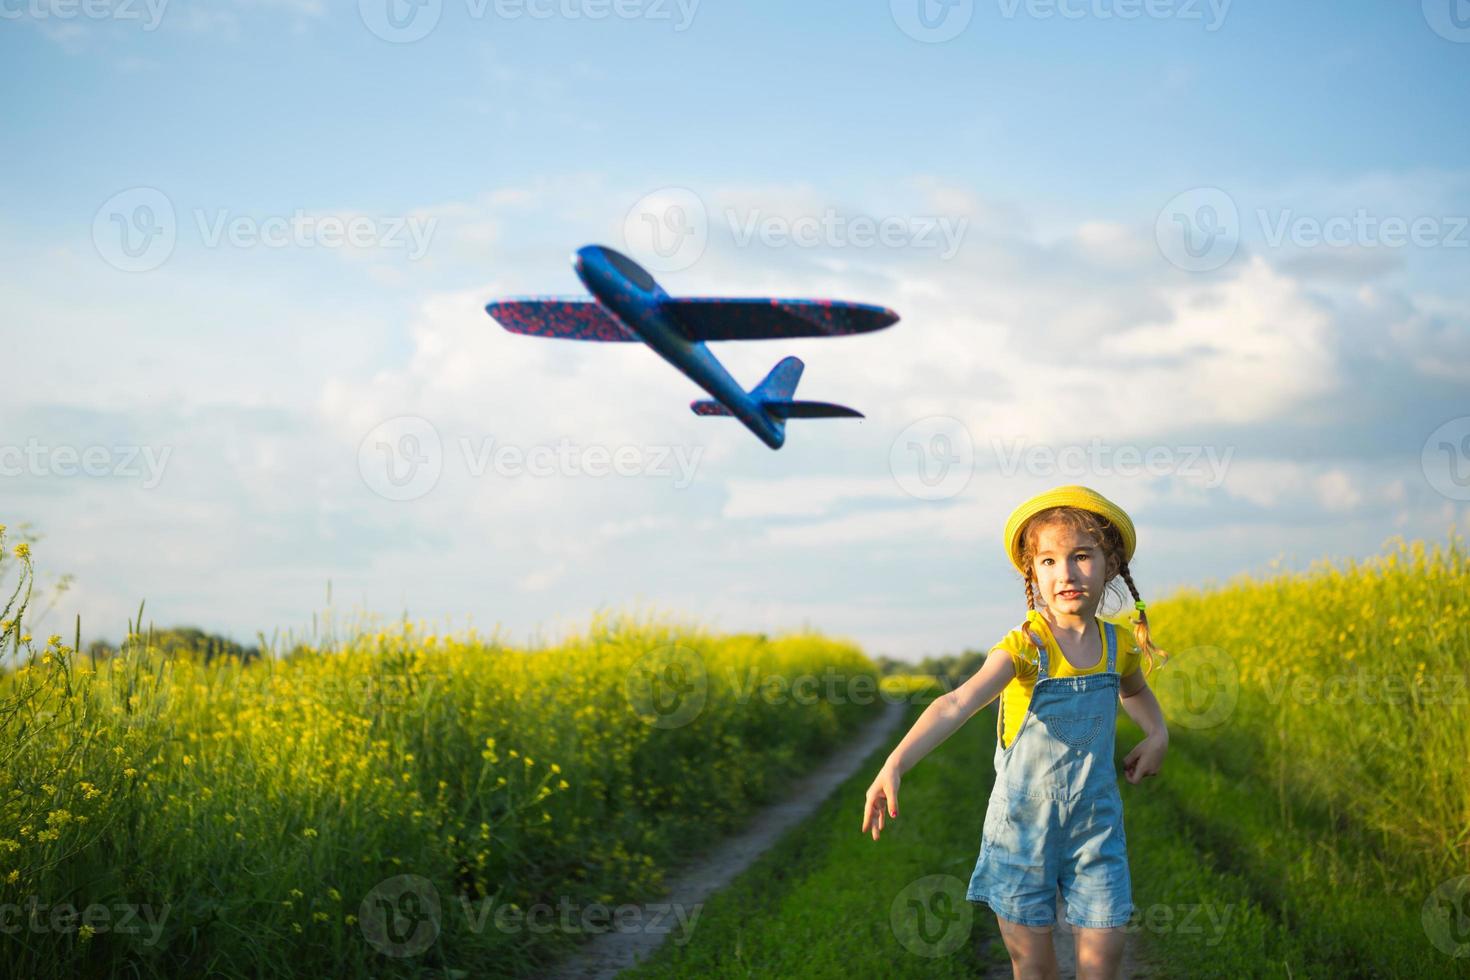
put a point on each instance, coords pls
(1077, 730)
(995, 816)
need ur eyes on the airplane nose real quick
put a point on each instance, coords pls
(591, 267)
(615, 265)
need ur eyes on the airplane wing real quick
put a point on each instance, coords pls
(570, 319)
(713, 318)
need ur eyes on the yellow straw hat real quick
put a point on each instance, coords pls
(1082, 498)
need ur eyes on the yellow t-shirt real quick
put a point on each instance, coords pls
(1017, 694)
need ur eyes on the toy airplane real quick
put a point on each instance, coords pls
(628, 305)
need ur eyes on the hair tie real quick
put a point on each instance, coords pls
(1139, 605)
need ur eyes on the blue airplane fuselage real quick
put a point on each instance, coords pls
(627, 291)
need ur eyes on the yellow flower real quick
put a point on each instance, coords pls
(22, 551)
(13, 877)
(85, 933)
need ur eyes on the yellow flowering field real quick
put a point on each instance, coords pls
(1342, 688)
(395, 805)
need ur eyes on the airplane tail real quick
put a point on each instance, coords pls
(781, 383)
(774, 393)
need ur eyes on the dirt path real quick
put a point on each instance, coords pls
(613, 951)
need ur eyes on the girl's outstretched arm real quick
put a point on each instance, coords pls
(1138, 700)
(939, 721)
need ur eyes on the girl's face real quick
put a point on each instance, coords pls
(1070, 568)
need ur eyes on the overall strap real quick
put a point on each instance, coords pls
(1040, 649)
(1000, 720)
(1112, 647)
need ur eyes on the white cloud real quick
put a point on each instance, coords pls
(811, 496)
(544, 578)
(1336, 491)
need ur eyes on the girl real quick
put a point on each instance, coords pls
(1055, 818)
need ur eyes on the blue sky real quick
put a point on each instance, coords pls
(1063, 148)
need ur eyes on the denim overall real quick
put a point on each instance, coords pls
(1055, 816)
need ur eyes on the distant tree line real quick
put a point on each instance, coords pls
(184, 641)
(953, 668)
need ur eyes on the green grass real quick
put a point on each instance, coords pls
(821, 902)
(1224, 886)
(1263, 896)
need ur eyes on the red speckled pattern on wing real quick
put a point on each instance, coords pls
(569, 319)
(707, 407)
(712, 318)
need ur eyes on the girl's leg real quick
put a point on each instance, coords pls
(1033, 957)
(1099, 953)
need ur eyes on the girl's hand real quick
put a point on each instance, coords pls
(1146, 758)
(882, 795)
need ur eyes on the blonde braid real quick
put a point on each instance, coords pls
(1154, 656)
